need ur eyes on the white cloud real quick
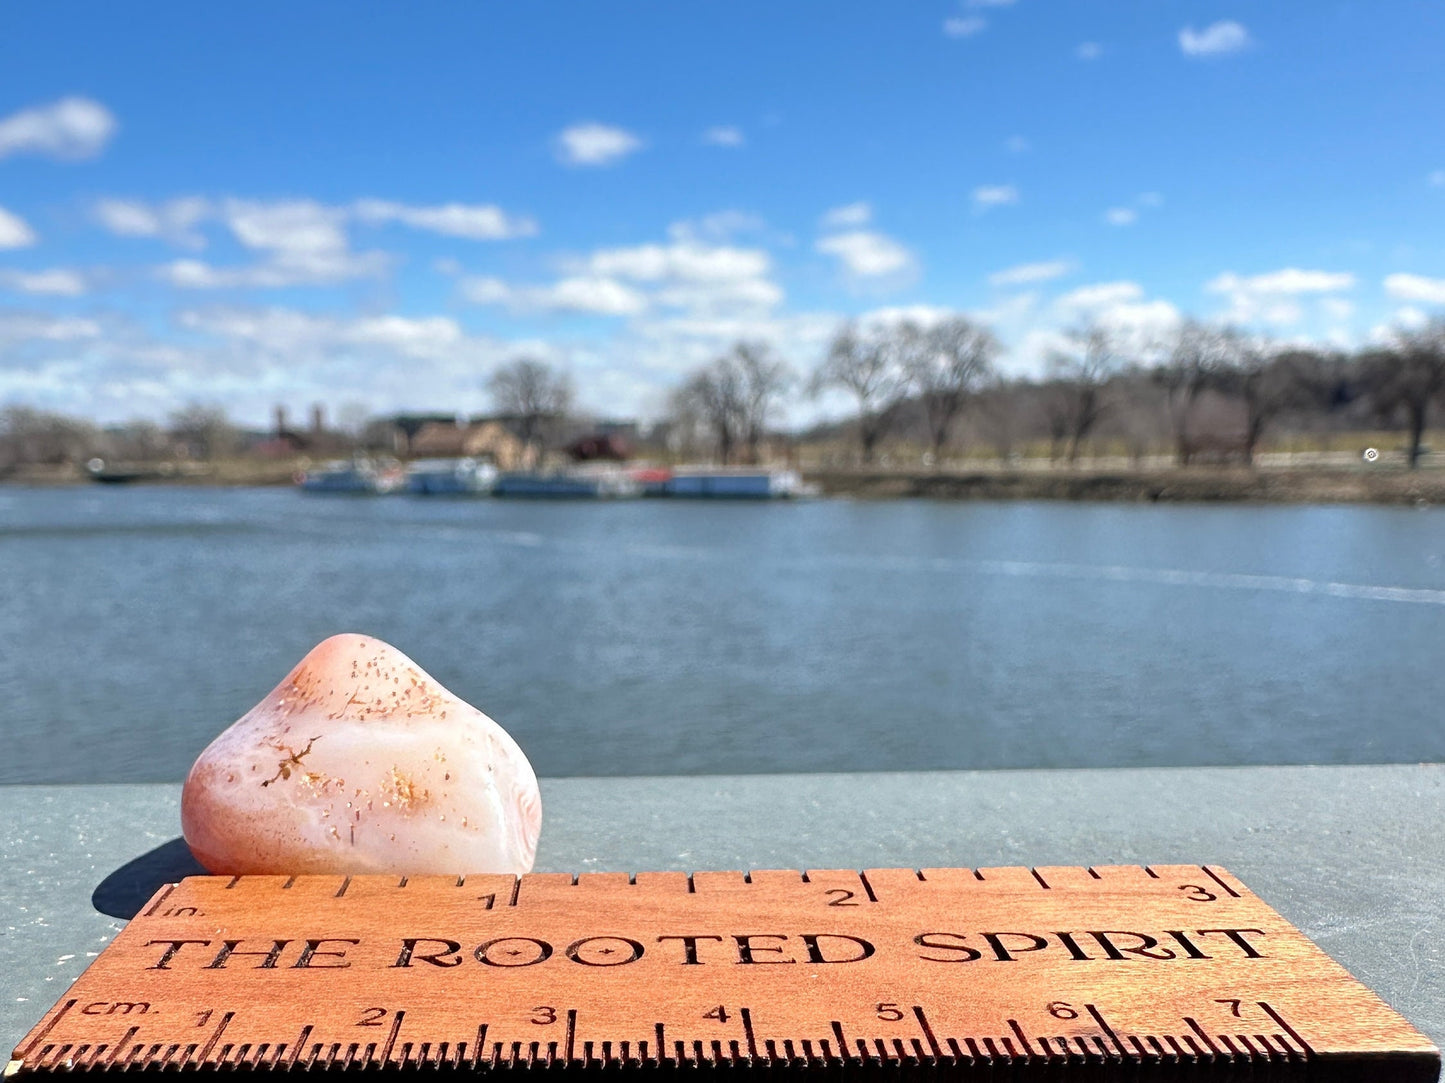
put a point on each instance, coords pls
(867, 254)
(1337, 308)
(292, 226)
(297, 225)
(717, 226)
(1089, 50)
(1437, 179)
(595, 144)
(705, 281)
(301, 242)
(1150, 199)
(585, 294)
(70, 129)
(1290, 280)
(1142, 325)
(724, 135)
(1121, 216)
(752, 294)
(1016, 144)
(1025, 274)
(58, 282)
(1119, 307)
(1101, 295)
(15, 232)
(1272, 297)
(919, 315)
(848, 215)
(471, 221)
(996, 195)
(1408, 287)
(1218, 39)
(682, 261)
(19, 327)
(964, 26)
(174, 221)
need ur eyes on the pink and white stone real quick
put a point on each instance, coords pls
(359, 762)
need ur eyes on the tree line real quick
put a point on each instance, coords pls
(1209, 393)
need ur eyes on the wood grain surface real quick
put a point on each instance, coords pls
(1164, 972)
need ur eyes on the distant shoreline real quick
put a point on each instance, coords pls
(1193, 485)
(1383, 485)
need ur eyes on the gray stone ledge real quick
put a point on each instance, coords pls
(1355, 856)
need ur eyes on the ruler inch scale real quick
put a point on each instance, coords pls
(1104, 972)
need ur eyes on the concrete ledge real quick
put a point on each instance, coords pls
(1355, 856)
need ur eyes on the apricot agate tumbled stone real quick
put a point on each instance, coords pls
(359, 762)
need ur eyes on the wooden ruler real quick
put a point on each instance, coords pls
(1174, 969)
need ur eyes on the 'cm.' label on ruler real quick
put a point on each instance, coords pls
(1179, 970)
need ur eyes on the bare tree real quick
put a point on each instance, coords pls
(205, 431)
(948, 364)
(1079, 374)
(29, 436)
(714, 396)
(1197, 360)
(534, 393)
(140, 440)
(1269, 381)
(999, 415)
(1409, 376)
(764, 379)
(869, 364)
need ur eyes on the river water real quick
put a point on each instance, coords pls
(653, 637)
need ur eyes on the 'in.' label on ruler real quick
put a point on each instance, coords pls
(1180, 969)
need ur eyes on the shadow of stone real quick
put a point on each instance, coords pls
(130, 887)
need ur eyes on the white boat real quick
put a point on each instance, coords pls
(450, 477)
(360, 477)
(698, 483)
(568, 485)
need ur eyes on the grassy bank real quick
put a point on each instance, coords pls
(1263, 486)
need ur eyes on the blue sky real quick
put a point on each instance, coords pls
(376, 204)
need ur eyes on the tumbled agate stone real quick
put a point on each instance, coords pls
(359, 762)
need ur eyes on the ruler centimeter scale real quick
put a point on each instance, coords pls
(1165, 971)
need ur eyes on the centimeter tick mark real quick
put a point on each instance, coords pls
(215, 1036)
(46, 1029)
(572, 1033)
(927, 1031)
(747, 1016)
(1228, 890)
(1023, 1039)
(867, 887)
(1106, 1028)
(1287, 1028)
(1194, 1026)
(1042, 882)
(157, 904)
(391, 1038)
(300, 1045)
(516, 891)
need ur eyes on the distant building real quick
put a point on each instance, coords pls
(451, 439)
